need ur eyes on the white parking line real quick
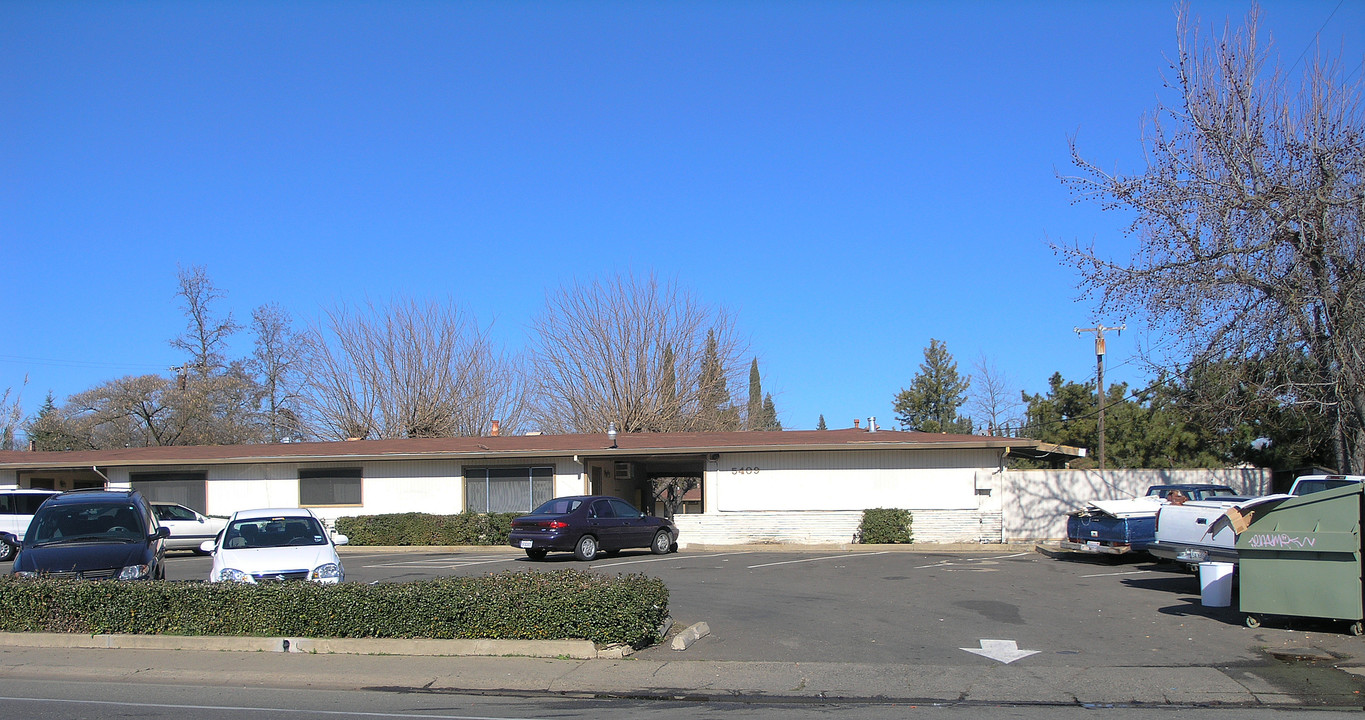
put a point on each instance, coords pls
(1129, 572)
(665, 557)
(826, 557)
(440, 563)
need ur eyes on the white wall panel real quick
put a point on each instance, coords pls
(829, 481)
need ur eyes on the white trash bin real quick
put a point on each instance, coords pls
(1215, 583)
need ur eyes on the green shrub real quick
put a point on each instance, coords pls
(396, 529)
(885, 526)
(564, 604)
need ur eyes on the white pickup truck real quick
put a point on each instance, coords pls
(1197, 531)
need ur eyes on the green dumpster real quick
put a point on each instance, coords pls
(1300, 557)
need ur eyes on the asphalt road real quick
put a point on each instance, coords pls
(50, 700)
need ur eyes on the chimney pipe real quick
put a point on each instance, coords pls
(872, 424)
(855, 423)
(494, 431)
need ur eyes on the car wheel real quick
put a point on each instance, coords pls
(586, 549)
(536, 553)
(663, 542)
(6, 551)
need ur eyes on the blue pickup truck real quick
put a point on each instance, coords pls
(1115, 527)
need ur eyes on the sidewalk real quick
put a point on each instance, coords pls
(986, 682)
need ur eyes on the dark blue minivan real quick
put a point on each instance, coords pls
(94, 535)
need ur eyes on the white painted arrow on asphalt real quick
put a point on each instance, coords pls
(1005, 651)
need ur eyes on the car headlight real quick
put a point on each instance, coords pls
(326, 571)
(25, 574)
(233, 575)
(134, 572)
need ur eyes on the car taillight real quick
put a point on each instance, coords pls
(554, 524)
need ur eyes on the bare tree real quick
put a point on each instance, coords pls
(1249, 219)
(11, 413)
(277, 363)
(634, 352)
(133, 411)
(994, 399)
(407, 370)
(206, 335)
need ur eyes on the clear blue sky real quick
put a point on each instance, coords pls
(851, 179)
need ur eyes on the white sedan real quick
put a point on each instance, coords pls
(189, 529)
(275, 544)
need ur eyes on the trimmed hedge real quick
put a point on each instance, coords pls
(414, 528)
(564, 604)
(885, 526)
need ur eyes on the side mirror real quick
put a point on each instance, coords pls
(207, 546)
(340, 539)
(163, 532)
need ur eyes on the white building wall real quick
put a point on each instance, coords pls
(9, 479)
(937, 480)
(430, 486)
(818, 497)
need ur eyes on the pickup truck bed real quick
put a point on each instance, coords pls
(1115, 527)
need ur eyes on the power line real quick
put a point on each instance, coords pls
(1316, 36)
(57, 362)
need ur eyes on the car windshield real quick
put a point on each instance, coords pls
(274, 532)
(558, 506)
(87, 523)
(173, 512)
(1220, 492)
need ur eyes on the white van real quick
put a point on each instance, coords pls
(16, 511)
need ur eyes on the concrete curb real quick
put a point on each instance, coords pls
(574, 649)
(684, 639)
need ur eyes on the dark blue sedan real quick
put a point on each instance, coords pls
(588, 524)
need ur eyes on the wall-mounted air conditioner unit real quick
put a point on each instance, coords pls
(624, 471)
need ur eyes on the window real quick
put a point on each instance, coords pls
(507, 489)
(184, 488)
(21, 503)
(329, 486)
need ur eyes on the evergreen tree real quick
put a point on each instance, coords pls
(50, 430)
(770, 421)
(755, 410)
(668, 388)
(930, 403)
(821, 424)
(716, 412)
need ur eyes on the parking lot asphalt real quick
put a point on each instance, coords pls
(998, 623)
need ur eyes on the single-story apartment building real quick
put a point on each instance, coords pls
(783, 487)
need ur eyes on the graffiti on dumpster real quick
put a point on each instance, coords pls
(1270, 540)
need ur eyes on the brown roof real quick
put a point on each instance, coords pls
(594, 445)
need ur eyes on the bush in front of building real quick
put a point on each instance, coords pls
(885, 526)
(563, 604)
(403, 529)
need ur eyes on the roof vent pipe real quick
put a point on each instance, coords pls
(872, 424)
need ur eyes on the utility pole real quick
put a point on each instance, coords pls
(1099, 364)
